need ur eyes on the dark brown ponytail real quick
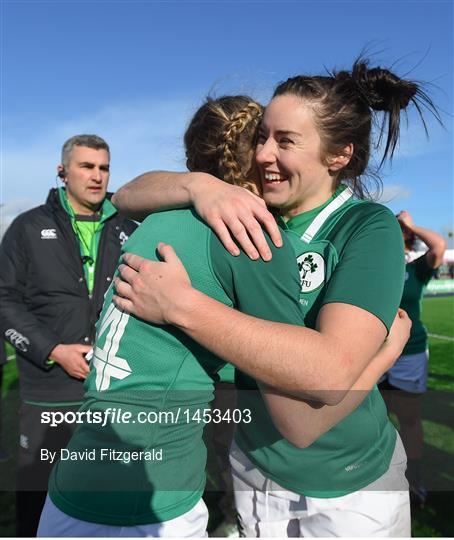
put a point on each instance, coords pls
(346, 103)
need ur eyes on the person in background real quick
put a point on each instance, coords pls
(405, 383)
(57, 262)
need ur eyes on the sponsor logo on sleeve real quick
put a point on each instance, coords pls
(17, 339)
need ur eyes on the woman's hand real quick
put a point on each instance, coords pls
(231, 211)
(435, 243)
(149, 289)
(405, 220)
(234, 213)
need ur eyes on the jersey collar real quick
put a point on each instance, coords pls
(307, 224)
(107, 209)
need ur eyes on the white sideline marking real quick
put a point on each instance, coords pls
(438, 336)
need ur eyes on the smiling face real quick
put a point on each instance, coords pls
(86, 178)
(293, 173)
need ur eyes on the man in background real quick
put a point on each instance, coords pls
(57, 262)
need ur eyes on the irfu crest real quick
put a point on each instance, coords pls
(307, 265)
(311, 266)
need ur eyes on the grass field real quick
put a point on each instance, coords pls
(438, 422)
(434, 520)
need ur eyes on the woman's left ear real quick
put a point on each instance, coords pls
(336, 163)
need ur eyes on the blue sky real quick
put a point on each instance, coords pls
(134, 73)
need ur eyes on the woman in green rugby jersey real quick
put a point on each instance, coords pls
(130, 478)
(405, 383)
(312, 152)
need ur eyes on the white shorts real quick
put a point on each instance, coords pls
(55, 523)
(267, 509)
(410, 372)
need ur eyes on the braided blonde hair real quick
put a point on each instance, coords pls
(220, 140)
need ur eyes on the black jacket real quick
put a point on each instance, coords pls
(44, 298)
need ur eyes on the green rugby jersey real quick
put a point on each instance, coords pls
(417, 275)
(142, 367)
(348, 251)
(227, 373)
